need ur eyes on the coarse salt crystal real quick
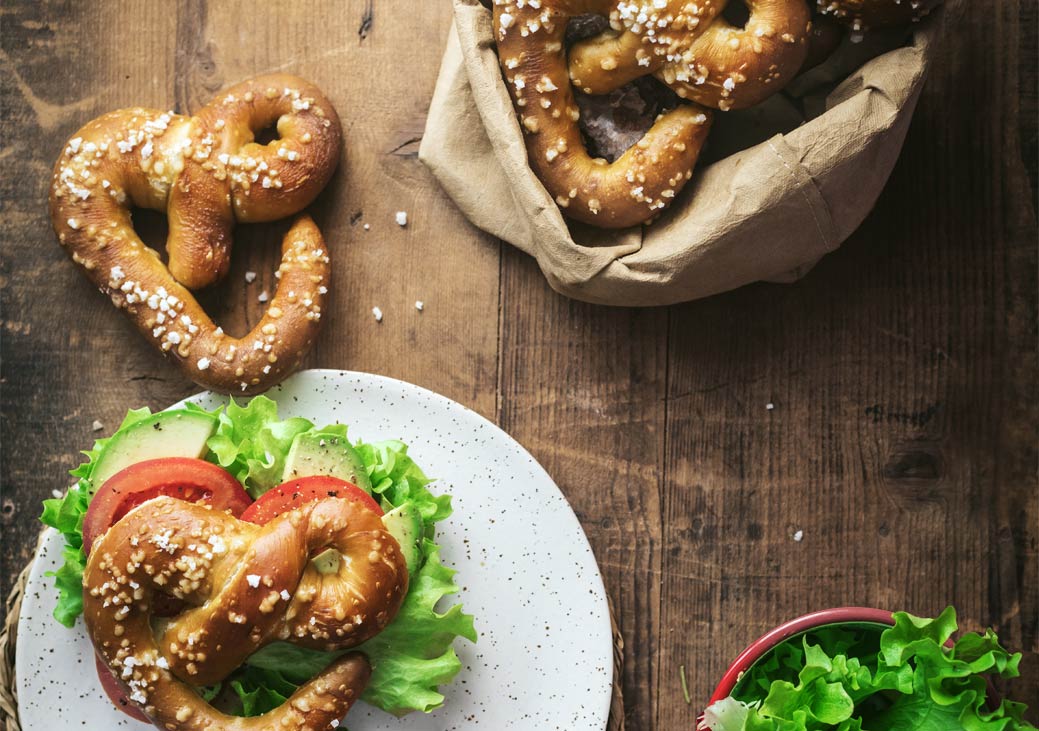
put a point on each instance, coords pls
(377, 313)
(402, 218)
(420, 305)
(203, 363)
(253, 580)
(263, 296)
(799, 536)
(250, 277)
(97, 425)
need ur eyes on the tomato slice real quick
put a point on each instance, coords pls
(116, 694)
(290, 495)
(194, 480)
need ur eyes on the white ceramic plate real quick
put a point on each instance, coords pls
(544, 658)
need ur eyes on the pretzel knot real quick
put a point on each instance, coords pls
(207, 173)
(246, 586)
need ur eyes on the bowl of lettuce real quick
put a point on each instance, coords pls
(861, 669)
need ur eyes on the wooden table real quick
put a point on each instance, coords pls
(902, 371)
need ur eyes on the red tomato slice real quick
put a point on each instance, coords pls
(116, 694)
(292, 494)
(194, 480)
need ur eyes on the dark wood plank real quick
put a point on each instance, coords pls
(902, 373)
(582, 388)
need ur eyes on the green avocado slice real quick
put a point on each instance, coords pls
(322, 453)
(174, 433)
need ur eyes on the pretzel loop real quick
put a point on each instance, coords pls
(248, 585)
(693, 49)
(627, 192)
(206, 172)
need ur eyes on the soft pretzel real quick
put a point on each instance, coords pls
(207, 173)
(247, 585)
(692, 48)
(627, 192)
(862, 15)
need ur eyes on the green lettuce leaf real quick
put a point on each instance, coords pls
(252, 444)
(902, 678)
(396, 478)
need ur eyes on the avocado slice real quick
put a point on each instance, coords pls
(405, 524)
(323, 453)
(175, 433)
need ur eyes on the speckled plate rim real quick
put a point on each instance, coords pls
(607, 706)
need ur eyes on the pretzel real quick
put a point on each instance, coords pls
(627, 192)
(207, 173)
(692, 48)
(862, 15)
(247, 586)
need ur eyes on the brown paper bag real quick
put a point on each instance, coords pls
(767, 212)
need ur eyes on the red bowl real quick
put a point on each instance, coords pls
(769, 640)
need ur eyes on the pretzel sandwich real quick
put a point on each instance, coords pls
(246, 586)
(207, 173)
(627, 192)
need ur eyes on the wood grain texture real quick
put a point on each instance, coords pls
(902, 371)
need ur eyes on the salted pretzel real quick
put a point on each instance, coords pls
(692, 48)
(207, 173)
(626, 192)
(246, 586)
(862, 15)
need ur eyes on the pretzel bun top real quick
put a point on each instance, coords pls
(244, 586)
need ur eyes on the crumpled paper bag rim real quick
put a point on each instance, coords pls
(693, 250)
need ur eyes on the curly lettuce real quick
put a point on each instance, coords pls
(410, 659)
(852, 678)
(65, 514)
